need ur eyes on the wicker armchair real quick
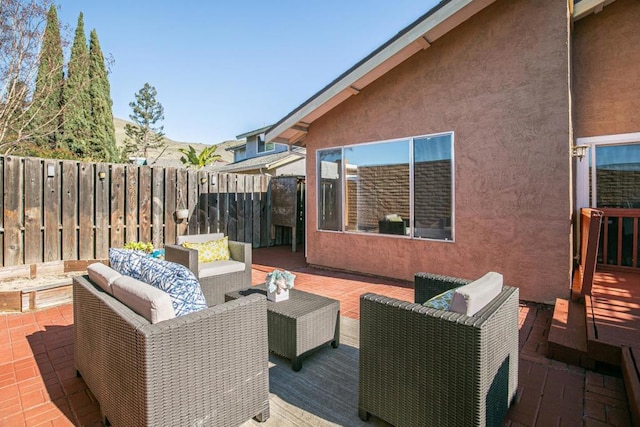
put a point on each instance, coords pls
(214, 287)
(425, 367)
(205, 368)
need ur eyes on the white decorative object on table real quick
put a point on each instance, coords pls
(278, 284)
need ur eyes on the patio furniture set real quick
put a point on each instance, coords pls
(418, 365)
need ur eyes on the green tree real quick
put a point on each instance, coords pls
(46, 108)
(103, 134)
(144, 135)
(198, 161)
(77, 98)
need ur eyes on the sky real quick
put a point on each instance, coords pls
(225, 67)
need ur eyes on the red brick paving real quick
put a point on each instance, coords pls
(38, 386)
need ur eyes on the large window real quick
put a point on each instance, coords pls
(400, 187)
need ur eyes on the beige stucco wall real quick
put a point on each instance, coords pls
(606, 71)
(499, 81)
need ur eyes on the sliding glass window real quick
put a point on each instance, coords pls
(330, 189)
(377, 186)
(432, 183)
(401, 187)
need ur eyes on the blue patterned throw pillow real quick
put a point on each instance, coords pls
(127, 262)
(441, 301)
(176, 280)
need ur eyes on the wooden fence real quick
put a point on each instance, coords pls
(54, 210)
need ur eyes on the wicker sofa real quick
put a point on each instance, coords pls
(215, 284)
(422, 366)
(205, 368)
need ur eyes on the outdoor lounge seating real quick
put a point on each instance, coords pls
(422, 366)
(208, 367)
(217, 277)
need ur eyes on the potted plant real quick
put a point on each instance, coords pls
(139, 246)
(182, 214)
(278, 284)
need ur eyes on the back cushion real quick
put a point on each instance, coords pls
(198, 238)
(126, 262)
(471, 298)
(176, 280)
(149, 302)
(102, 276)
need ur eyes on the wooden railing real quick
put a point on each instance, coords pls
(619, 239)
(590, 223)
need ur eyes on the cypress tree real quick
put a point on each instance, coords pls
(102, 128)
(77, 98)
(46, 109)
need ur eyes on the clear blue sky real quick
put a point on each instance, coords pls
(222, 68)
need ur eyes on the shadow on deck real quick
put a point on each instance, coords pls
(595, 329)
(602, 330)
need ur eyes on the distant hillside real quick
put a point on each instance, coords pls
(171, 156)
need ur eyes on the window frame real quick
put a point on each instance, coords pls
(583, 166)
(262, 138)
(343, 178)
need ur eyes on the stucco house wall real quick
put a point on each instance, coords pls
(606, 71)
(499, 81)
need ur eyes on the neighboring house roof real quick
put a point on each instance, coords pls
(254, 132)
(270, 161)
(419, 35)
(239, 145)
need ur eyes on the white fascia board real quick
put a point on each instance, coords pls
(587, 7)
(345, 83)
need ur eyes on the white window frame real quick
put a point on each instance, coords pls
(263, 138)
(582, 168)
(410, 140)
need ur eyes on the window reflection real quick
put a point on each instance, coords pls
(330, 189)
(433, 187)
(377, 187)
(618, 176)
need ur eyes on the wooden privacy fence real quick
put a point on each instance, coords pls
(59, 210)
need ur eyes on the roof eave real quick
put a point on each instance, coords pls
(253, 132)
(441, 19)
(418, 36)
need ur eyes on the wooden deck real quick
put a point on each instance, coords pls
(583, 333)
(613, 315)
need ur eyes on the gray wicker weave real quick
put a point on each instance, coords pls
(425, 367)
(205, 368)
(214, 287)
(300, 324)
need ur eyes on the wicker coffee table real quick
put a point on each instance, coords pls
(300, 324)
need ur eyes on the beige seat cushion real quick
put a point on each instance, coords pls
(149, 302)
(215, 268)
(103, 276)
(198, 238)
(470, 299)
